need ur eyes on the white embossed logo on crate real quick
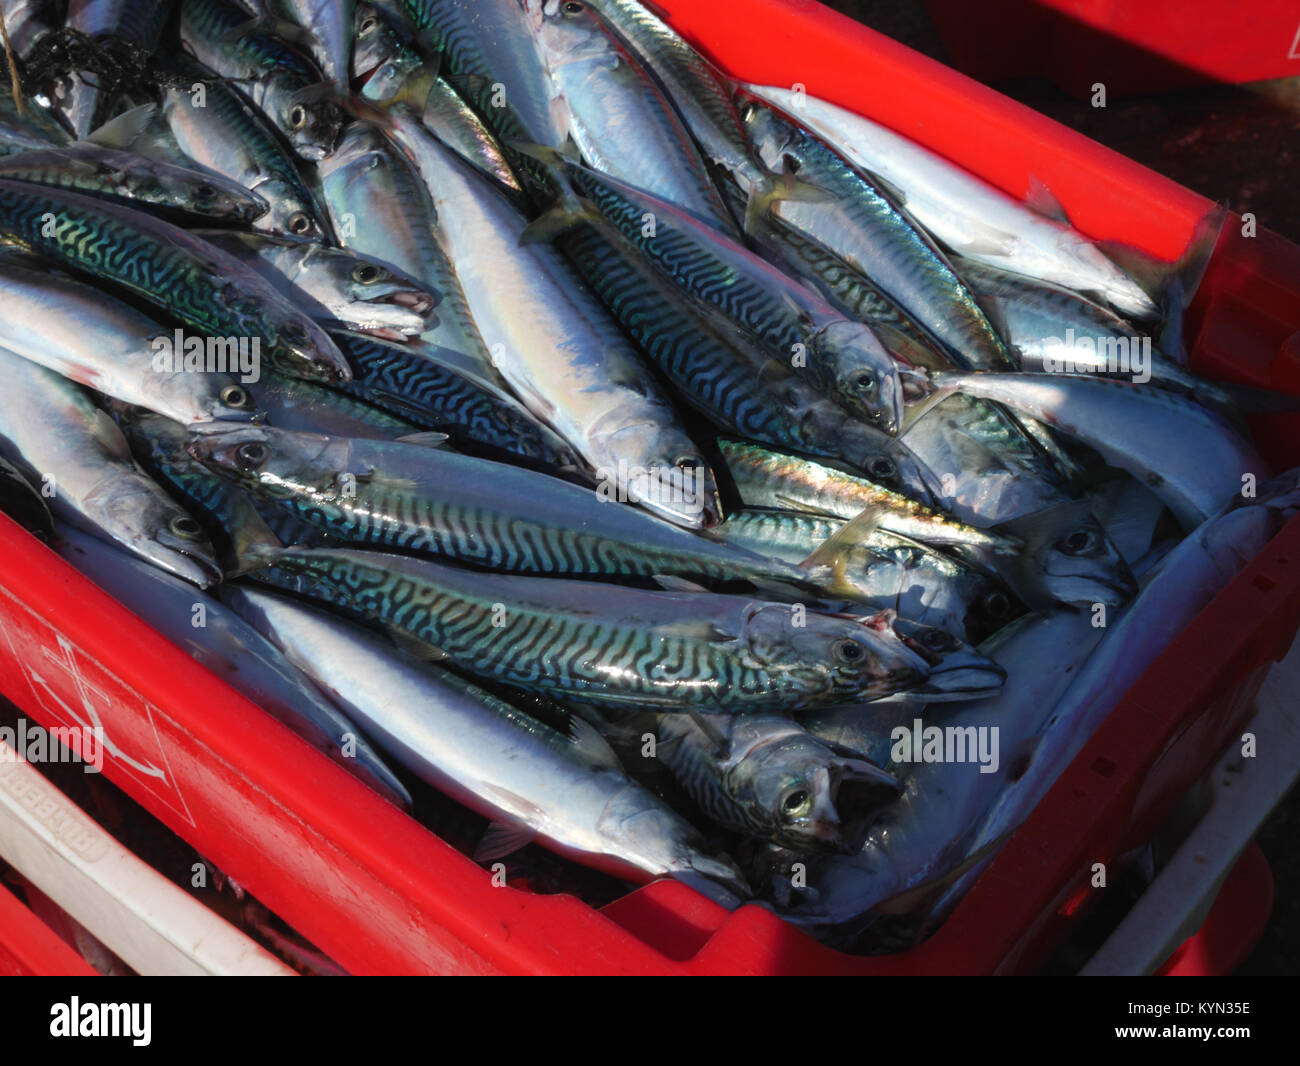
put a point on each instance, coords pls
(78, 691)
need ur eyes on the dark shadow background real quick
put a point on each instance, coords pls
(1239, 145)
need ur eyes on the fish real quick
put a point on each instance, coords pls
(234, 521)
(996, 477)
(279, 81)
(304, 406)
(234, 651)
(568, 792)
(406, 497)
(488, 53)
(617, 115)
(27, 21)
(1135, 428)
(554, 343)
(781, 482)
(20, 500)
(917, 838)
(341, 289)
(771, 779)
(381, 210)
(91, 337)
(680, 651)
(1177, 584)
(170, 268)
(1048, 325)
(33, 131)
(724, 372)
(390, 65)
(877, 568)
(229, 136)
(867, 232)
(329, 26)
(705, 99)
(841, 358)
(136, 181)
(964, 213)
(58, 439)
(442, 392)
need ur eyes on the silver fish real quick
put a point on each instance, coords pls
(339, 288)
(568, 792)
(234, 651)
(95, 339)
(51, 431)
(557, 347)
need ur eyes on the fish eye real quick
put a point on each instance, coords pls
(298, 117)
(300, 223)
(367, 273)
(688, 463)
(863, 383)
(234, 396)
(204, 192)
(882, 469)
(937, 640)
(184, 526)
(294, 331)
(997, 604)
(251, 455)
(574, 8)
(1079, 542)
(848, 652)
(796, 802)
(367, 24)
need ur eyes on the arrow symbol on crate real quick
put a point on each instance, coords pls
(85, 691)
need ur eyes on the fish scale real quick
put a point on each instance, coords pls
(841, 358)
(864, 229)
(439, 398)
(167, 267)
(476, 511)
(561, 635)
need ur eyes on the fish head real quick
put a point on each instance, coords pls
(301, 349)
(289, 216)
(957, 671)
(789, 783)
(567, 30)
(155, 182)
(830, 657)
(365, 295)
(661, 469)
(374, 40)
(865, 376)
(161, 530)
(312, 121)
(1070, 559)
(276, 462)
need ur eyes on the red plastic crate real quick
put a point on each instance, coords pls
(30, 948)
(380, 893)
(1130, 46)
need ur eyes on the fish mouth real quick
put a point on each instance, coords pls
(397, 316)
(185, 561)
